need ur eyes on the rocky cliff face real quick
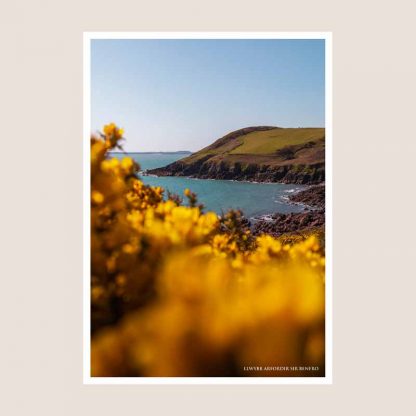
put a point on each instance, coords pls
(205, 169)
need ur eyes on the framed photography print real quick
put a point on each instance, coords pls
(207, 208)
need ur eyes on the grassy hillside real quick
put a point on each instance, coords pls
(229, 142)
(257, 153)
(272, 145)
(268, 142)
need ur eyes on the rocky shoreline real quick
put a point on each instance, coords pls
(313, 197)
(296, 174)
(302, 223)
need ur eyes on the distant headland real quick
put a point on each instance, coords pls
(260, 154)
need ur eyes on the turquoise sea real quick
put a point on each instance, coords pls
(254, 199)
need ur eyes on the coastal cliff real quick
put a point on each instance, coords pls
(260, 154)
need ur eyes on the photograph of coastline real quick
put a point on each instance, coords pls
(207, 208)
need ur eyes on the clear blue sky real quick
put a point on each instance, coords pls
(173, 95)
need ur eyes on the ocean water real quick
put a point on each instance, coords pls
(254, 199)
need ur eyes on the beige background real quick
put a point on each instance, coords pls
(41, 208)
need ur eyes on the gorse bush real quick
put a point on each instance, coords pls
(179, 292)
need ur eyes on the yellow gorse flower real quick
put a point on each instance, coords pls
(112, 130)
(179, 292)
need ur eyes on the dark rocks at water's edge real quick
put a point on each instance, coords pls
(289, 223)
(202, 169)
(313, 197)
(314, 218)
